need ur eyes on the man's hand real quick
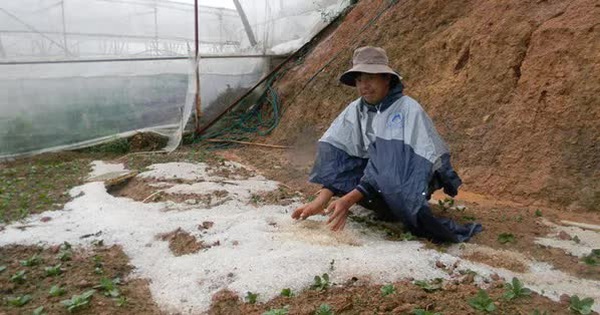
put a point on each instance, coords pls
(339, 210)
(314, 207)
(307, 210)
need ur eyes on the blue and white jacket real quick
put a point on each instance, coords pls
(391, 151)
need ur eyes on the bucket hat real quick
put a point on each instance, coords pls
(368, 59)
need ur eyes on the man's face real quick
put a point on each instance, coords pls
(373, 87)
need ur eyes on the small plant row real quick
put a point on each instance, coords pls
(109, 287)
(481, 302)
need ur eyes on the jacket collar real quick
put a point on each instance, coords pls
(393, 95)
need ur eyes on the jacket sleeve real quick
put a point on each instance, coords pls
(336, 170)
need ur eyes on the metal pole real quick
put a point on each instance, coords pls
(64, 25)
(156, 29)
(2, 52)
(197, 65)
(244, 18)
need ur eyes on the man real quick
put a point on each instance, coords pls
(383, 152)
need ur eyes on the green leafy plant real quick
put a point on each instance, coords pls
(324, 309)
(251, 297)
(287, 292)
(321, 283)
(407, 236)
(2, 268)
(430, 286)
(38, 311)
(121, 301)
(277, 311)
(505, 238)
(515, 290)
(538, 213)
(576, 239)
(420, 311)
(77, 302)
(482, 302)
(388, 289)
(109, 287)
(19, 300)
(593, 259)
(581, 306)
(469, 218)
(64, 255)
(56, 290)
(446, 204)
(53, 270)
(31, 261)
(18, 277)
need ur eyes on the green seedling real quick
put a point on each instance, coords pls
(251, 297)
(434, 285)
(277, 311)
(18, 277)
(53, 270)
(446, 204)
(321, 283)
(482, 302)
(19, 300)
(109, 287)
(515, 290)
(32, 261)
(505, 238)
(581, 306)
(407, 236)
(388, 289)
(121, 301)
(576, 239)
(420, 311)
(538, 312)
(538, 213)
(98, 243)
(64, 255)
(519, 218)
(2, 268)
(66, 246)
(77, 302)
(593, 259)
(287, 292)
(56, 290)
(469, 218)
(324, 309)
(38, 311)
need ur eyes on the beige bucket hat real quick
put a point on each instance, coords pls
(368, 59)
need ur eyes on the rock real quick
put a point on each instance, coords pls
(45, 219)
(84, 284)
(564, 236)
(495, 277)
(565, 299)
(440, 264)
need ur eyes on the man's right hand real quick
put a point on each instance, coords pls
(308, 210)
(316, 206)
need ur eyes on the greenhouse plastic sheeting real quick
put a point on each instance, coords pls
(75, 73)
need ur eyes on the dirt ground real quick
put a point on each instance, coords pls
(355, 296)
(80, 272)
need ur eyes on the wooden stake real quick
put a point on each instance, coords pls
(585, 226)
(251, 143)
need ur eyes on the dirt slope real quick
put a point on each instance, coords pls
(513, 87)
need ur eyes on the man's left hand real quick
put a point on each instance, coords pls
(338, 211)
